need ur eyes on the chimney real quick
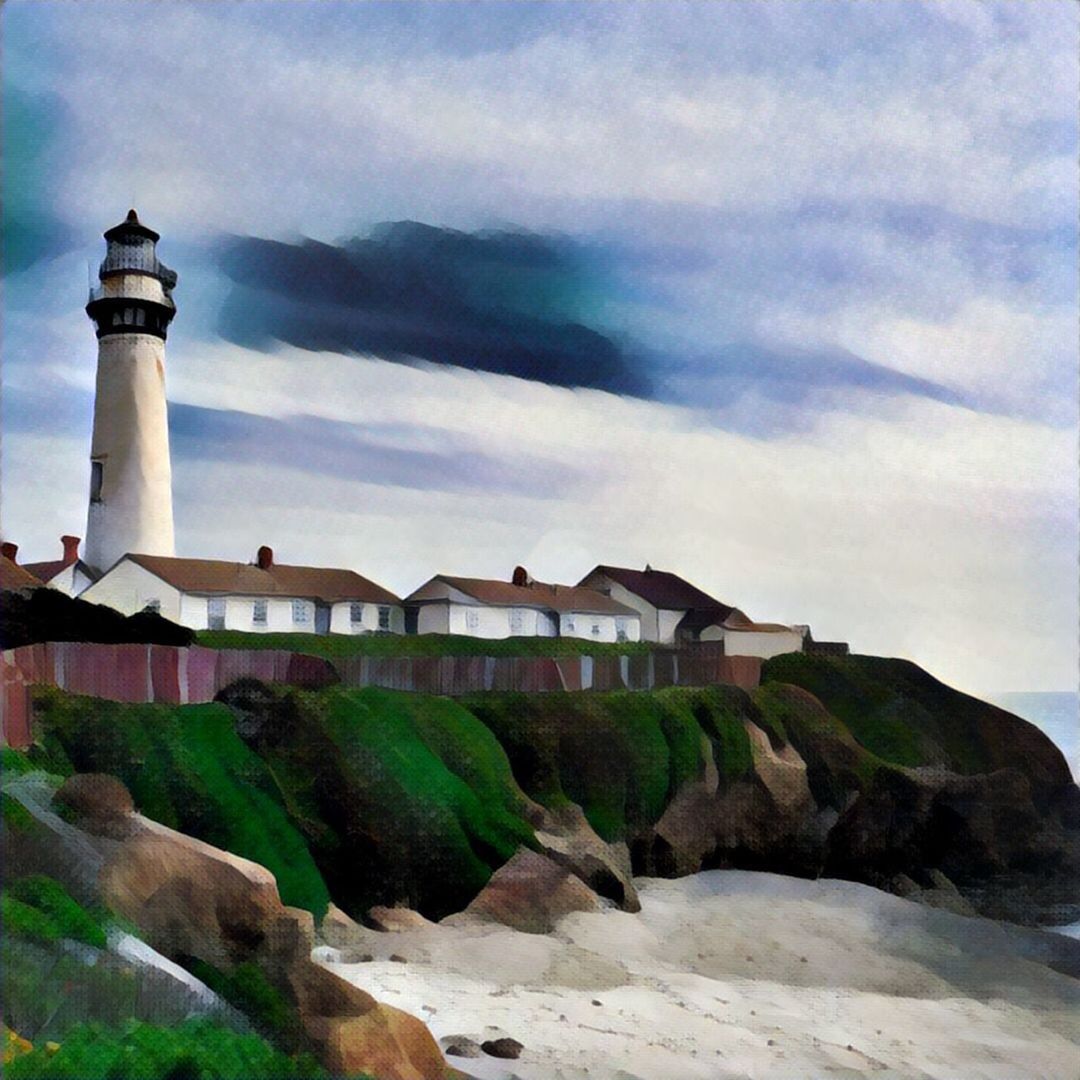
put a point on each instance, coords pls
(265, 558)
(9, 550)
(521, 576)
(71, 548)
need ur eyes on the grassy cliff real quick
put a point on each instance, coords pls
(374, 796)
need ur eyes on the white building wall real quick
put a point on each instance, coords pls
(650, 627)
(341, 619)
(667, 621)
(129, 587)
(65, 581)
(590, 627)
(754, 642)
(433, 618)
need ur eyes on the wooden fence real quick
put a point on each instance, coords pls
(179, 676)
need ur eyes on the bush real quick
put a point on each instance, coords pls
(55, 903)
(192, 1050)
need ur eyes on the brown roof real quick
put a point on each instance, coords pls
(665, 590)
(537, 595)
(48, 570)
(308, 582)
(13, 576)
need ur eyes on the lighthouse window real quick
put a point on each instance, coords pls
(140, 317)
(129, 316)
(116, 320)
(97, 471)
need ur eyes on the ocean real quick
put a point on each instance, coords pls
(1056, 714)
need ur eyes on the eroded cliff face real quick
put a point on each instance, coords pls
(853, 767)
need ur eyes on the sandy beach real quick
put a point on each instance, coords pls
(738, 974)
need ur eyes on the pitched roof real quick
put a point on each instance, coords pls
(537, 595)
(13, 576)
(48, 570)
(244, 579)
(665, 590)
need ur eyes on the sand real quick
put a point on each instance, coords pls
(736, 974)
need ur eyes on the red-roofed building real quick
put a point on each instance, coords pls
(264, 596)
(68, 574)
(521, 607)
(673, 611)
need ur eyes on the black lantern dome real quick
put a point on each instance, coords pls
(116, 309)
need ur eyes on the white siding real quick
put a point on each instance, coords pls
(581, 624)
(341, 618)
(128, 588)
(652, 621)
(754, 642)
(433, 618)
(667, 622)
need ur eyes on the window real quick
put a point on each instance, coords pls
(215, 613)
(140, 316)
(384, 618)
(596, 629)
(620, 629)
(116, 319)
(356, 614)
(97, 475)
(129, 316)
(472, 619)
(301, 612)
(517, 621)
(153, 606)
(258, 612)
(571, 625)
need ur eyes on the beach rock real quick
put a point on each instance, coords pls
(392, 920)
(531, 893)
(566, 837)
(191, 900)
(460, 1046)
(340, 932)
(101, 804)
(502, 1048)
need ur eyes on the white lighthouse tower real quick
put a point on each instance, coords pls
(130, 471)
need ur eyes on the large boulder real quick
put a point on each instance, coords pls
(195, 902)
(530, 893)
(565, 836)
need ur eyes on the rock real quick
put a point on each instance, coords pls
(100, 804)
(531, 893)
(341, 932)
(190, 899)
(502, 1048)
(566, 837)
(392, 920)
(460, 1046)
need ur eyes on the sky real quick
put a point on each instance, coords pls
(778, 296)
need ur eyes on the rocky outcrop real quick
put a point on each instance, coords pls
(196, 902)
(565, 836)
(396, 920)
(530, 893)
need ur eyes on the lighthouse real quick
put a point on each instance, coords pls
(130, 472)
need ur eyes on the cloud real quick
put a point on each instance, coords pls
(494, 301)
(331, 448)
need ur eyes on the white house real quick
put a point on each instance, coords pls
(211, 594)
(69, 574)
(521, 607)
(673, 611)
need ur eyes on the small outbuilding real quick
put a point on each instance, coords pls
(259, 597)
(521, 607)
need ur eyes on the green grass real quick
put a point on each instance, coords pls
(247, 989)
(186, 767)
(339, 646)
(192, 1050)
(63, 915)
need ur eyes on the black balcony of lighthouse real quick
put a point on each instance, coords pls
(134, 293)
